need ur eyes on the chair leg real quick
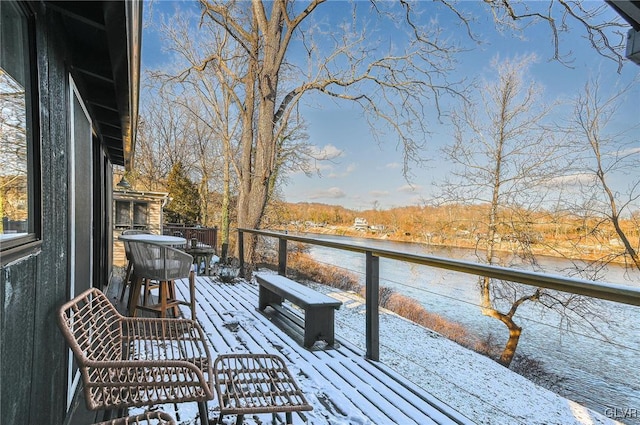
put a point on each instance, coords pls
(163, 298)
(177, 412)
(172, 296)
(204, 413)
(106, 416)
(192, 294)
(135, 295)
(125, 282)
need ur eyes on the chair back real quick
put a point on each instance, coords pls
(134, 232)
(91, 327)
(127, 250)
(159, 262)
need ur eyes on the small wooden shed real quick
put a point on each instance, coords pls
(137, 210)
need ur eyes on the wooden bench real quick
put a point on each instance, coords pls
(318, 308)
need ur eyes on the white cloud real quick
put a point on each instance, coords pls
(630, 151)
(393, 165)
(326, 152)
(343, 173)
(379, 193)
(331, 193)
(409, 188)
(571, 180)
(320, 159)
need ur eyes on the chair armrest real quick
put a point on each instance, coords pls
(128, 383)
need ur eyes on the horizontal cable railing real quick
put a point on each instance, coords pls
(601, 290)
(370, 274)
(557, 381)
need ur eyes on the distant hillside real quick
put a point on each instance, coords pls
(540, 232)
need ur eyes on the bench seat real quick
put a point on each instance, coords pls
(318, 308)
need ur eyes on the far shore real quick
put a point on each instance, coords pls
(594, 254)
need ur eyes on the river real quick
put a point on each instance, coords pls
(598, 369)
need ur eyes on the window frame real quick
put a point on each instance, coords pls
(132, 224)
(30, 243)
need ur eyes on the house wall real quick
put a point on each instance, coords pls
(33, 360)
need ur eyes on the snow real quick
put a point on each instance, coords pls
(469, 383)
(472, 384)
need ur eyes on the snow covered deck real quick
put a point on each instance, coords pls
(345, 388)
(341, 385)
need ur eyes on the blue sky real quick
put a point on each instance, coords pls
(365, 173)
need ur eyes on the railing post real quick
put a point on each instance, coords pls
(241, 253)
(372, 300)
(282, 257)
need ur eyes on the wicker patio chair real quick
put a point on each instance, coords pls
(163, 264)
(149, 418)
(132, 362)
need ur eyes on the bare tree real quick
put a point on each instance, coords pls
(503, 153)
(216, 90)
(397, 82)
(402, 80)
(607, 37)
(164, 139)
(603, 150)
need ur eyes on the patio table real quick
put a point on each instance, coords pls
(201, 252)
(175, 241)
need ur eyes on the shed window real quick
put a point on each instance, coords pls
(132, 215)
(19, 153)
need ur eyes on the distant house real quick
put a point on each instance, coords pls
(377, 228)
(69, 76)
(360, 224)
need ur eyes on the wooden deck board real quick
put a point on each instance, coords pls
(340, 383)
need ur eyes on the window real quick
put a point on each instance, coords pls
(19, 170)
(132, 215)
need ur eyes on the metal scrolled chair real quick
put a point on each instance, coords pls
(133, 362)
(163, 264)
(150, 418)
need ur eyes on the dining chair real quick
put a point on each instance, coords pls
(127, 277)
(164, 264)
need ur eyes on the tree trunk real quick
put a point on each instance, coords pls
(226, 204)
(260, 154)
(509, 350)
(614, 216)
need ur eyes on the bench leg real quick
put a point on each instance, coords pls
(267, 297)
(318, 324)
